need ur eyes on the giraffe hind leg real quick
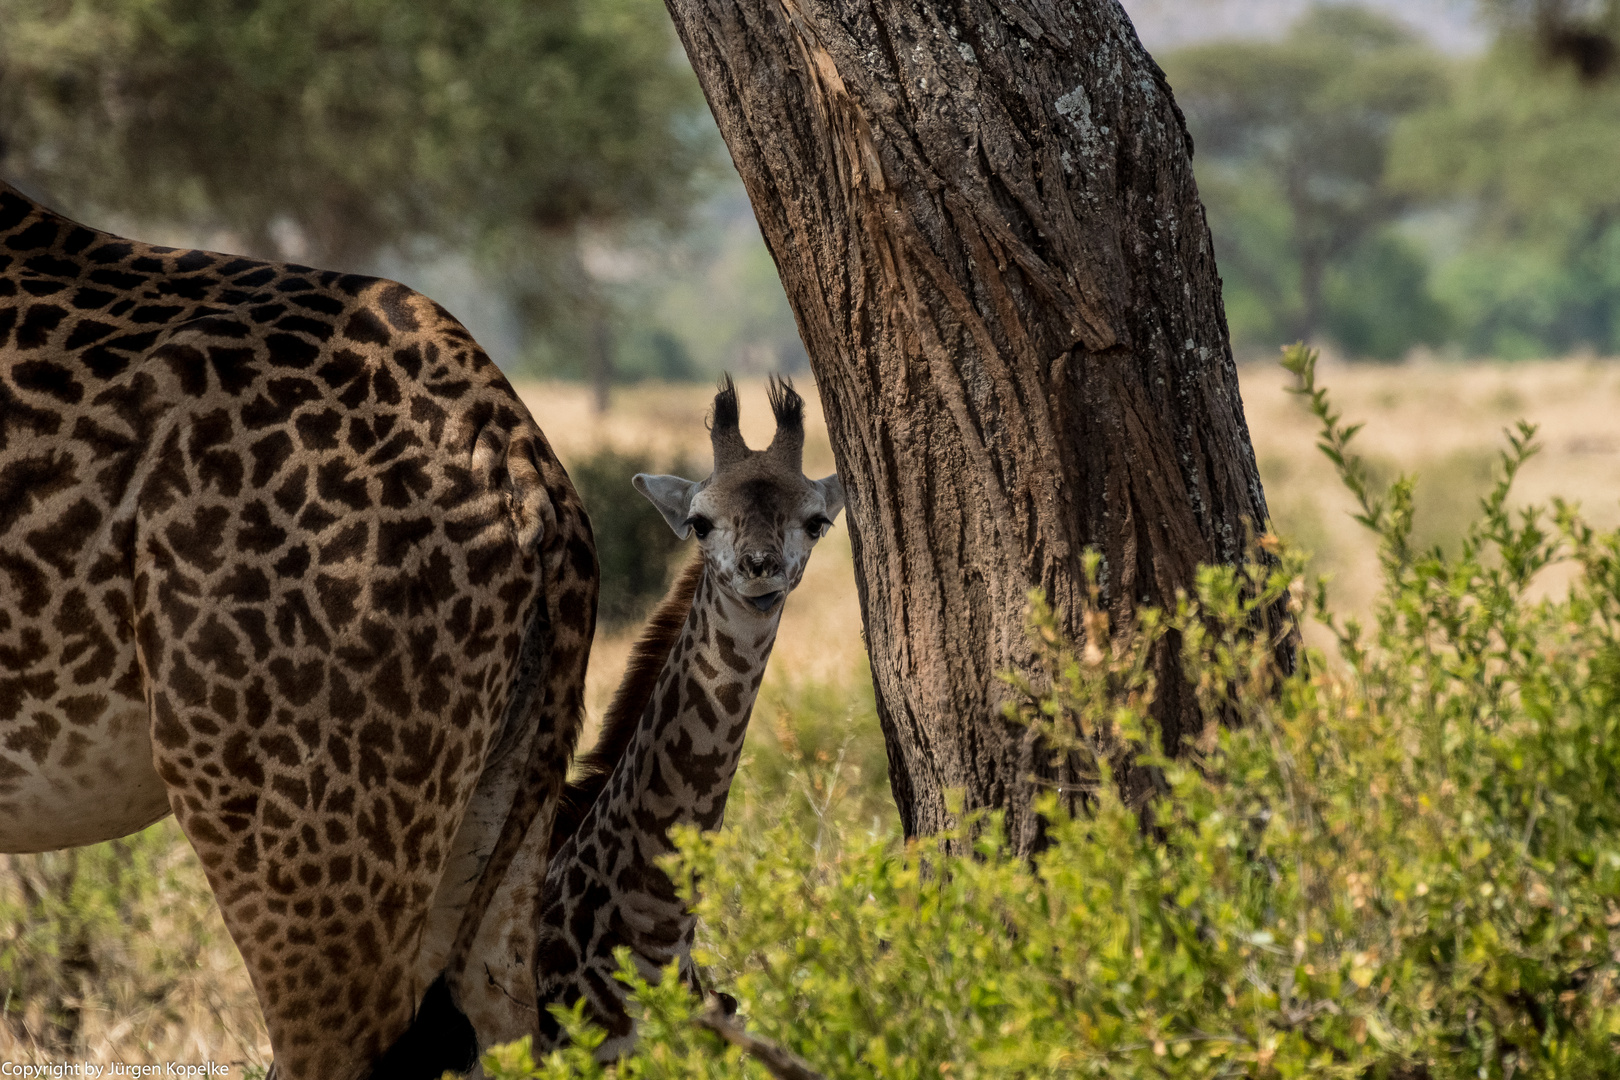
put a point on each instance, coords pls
(440, 1039)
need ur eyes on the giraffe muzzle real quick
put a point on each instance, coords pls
(766, 601)
(762, 570)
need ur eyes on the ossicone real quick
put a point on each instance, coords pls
(788, 408)
(724, 434)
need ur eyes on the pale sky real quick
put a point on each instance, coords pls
(1165, 24)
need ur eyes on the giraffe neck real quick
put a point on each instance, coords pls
(604, 888)
(679, 767)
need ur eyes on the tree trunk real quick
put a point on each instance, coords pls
(984, 215)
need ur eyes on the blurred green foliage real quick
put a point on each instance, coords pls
(1527, 155)
(1293, 143)
(360, 122)
(1402, 860)
(334, 130)
(1581, 35)
(635, 547)
(1364, 190)
(707, 300)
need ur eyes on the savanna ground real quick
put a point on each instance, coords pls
(116, 952)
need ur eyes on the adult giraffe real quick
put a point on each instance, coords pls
(282, 552)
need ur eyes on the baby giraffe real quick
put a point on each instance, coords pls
(674, 733)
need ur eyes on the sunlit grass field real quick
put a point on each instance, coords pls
(1444, 424)
(115, 953)
(1440, 422)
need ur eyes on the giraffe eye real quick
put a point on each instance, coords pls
(817, 526)
(699, 525)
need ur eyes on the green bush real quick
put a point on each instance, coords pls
(815, 759)
(634, 545)
(1401, 860)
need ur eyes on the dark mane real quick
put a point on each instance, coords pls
(786, 404)
(647, 656)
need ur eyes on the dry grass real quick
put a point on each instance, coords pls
(117, 953)
(1443, 422)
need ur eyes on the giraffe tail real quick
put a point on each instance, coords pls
(489, 971)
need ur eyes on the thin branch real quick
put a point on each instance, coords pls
(780, 1063)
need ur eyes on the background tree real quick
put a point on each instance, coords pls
(331, 130)
(985, 217)
(1293, 146)
(1522, 159)
(1461, 202)
(1582, 34)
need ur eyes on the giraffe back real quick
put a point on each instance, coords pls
(280, 551)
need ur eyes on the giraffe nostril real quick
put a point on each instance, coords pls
(760, 564)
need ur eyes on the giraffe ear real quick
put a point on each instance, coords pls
(672, 496)
(832, 489)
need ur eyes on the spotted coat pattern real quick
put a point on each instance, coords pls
(757, 518)
(282, 552)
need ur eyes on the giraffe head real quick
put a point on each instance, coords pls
(757, 515)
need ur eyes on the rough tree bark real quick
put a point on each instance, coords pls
(984, 215)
